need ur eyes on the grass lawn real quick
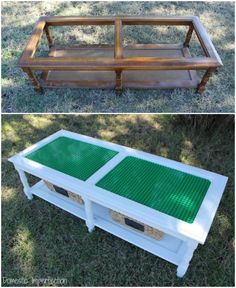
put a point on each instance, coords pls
(42, 241)
(17, 23)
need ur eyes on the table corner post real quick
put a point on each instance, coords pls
(37, 87)
(118, 53)
(89, 214)
(188, 36)
(119, 85)
(189, 248)
(202, 85)
(49, 36)
(25, 183)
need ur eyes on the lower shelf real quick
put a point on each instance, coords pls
(130, 79)
(168, 248)
(41, 190)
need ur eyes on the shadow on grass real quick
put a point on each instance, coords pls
(41, 241)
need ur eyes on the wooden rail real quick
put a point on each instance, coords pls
(135, 63)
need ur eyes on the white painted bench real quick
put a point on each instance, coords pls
(180, 238)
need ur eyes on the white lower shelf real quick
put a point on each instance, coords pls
(169, 248)
(166, 248)
(42, 191)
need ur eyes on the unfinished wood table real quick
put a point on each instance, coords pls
(118, 66)
(160, 205)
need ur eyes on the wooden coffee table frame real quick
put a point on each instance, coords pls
(60, 71)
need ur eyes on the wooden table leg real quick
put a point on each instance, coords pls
(188, 36)
(118, 81)
(37, 86)
(201, 87)
(118, 54)
(49, 37)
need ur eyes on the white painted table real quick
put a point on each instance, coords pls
(181, 238)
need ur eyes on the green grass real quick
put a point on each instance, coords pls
(19, 96)
(42, 241)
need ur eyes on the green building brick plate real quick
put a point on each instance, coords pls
(167, 190)
(72, 157)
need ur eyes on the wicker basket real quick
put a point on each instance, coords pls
(71, 195)
(138, 226)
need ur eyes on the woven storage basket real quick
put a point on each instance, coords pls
(137, 226)
(71, 195)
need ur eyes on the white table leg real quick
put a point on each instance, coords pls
(189, 248)
(25, 183)
(89, 214)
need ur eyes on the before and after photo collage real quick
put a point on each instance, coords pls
(118, 143)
